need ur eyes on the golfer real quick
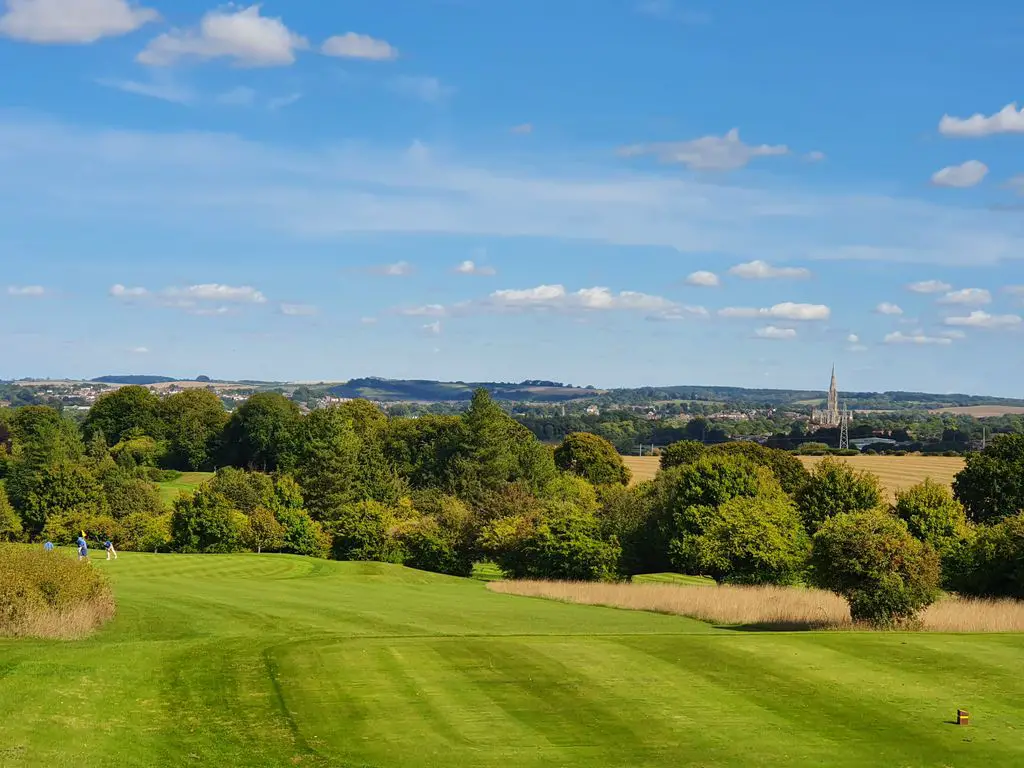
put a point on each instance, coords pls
(109, 546)
(83, 548)
(48, 546)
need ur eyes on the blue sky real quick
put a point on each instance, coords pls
(610, 192)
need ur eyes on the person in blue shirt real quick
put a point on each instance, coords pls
(83, 548)
(48, 546)
(109, 546)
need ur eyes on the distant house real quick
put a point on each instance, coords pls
(593, 410)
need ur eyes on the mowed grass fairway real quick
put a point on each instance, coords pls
(275, 660)
(187, 483)
(895, 472)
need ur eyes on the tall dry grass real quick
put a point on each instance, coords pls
(50, 595)
(776, 608)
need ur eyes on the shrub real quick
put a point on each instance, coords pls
(65, 528)
(366, 531)
(835, 488)
(593, 458)
(263, 532)
(871, 559)
(125, 494)
(302, 534)
(142, 532)
(47, 594)
(156, 475)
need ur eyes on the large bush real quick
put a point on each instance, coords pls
(932, 515)
(48, 594)
(593, 458)
(871, 559)
(10, 523)
(366, 530)
(992, 563)
(835, 488)
(991, 484)
(206, 522)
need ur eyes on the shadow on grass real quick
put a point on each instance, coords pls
(780, 626)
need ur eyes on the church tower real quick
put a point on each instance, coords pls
(833, 400)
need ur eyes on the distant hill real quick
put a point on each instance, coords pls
(424, 391)
(136, 380)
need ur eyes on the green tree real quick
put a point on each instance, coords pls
(423, 450)
(206, 522)
(836, 488)
(128, 411)
(991, 565)
(194, 426)
(247, 491)
(10, 523)
(62, 488)
(681, 452)
(142, 532)
(932, 515)
(749, 540)
(264, 532)
(137, 450)
(631, 515)
(327, 462)
(991, 485)
(787, 468)
(365, 530)
(870, 559)
(302, 534)
(593, 458)
(127, 494)
(261, 434)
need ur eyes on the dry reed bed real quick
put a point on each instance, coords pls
(779, 608)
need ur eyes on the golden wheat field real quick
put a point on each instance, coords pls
(982, 411)
(895, 472)
(768, 607)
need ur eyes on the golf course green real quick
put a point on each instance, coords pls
(274, 660)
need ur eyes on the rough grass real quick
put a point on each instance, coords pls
(895, 472)
(187, 483)
(50, 595)
(779, 608)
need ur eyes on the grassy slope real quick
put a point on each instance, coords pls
(188, 482)
(275, 660)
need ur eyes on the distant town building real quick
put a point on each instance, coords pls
(830, 416)
(593, 410)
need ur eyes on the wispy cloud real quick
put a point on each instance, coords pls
(299, 310)
(785, 311)
(898, 337)
(709, 153)
(164, 91)
(33, 291)
(331, 191)
(968, 296)
(423, 88)
(469, 267)
(968, 174)
(433, 328)
(522, 129)
(762, 270)
(241, 96)
(981, 319)
(888, 308)
(775, 333)
(398, 269)
(283, 101)
(929, 286)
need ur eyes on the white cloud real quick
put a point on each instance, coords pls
(853, 338)
(785, 311)
(981, 319)
(967, 296)
(433, 328)
(238, 97)
(703, 279)
(1014, 290)
(298, 310)
(555, 297)
(709, 153)
(368, 320)
(968, 174)
(762, 270)
(916, 337)
(775, 333)
(139, 350)
(244, 294)
(355, 46)
(1007, 120)
(122, 292)
(423, 88)
(472, 268)
(953, 334)
(72, 21)
(167, 91)
(398, 269)
(26, 290)
(929, 286)
(207, 311)
(242, 35)
(682, 312)
(888, 308)
(522, 129)
(814, 157)
(428, 310)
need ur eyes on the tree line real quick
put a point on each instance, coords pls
(443, 492)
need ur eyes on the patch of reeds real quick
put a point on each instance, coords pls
(50, 595)
(767, 607)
